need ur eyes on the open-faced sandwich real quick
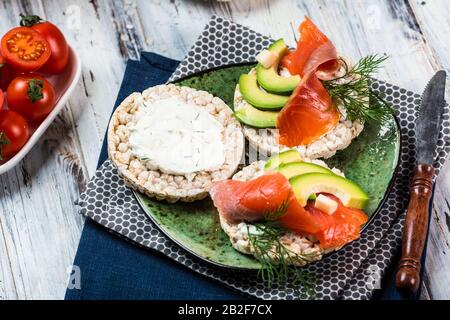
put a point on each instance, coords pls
(173, 142)
(289, 210)
(309, 98)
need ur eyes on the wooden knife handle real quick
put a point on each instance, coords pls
(415, 229)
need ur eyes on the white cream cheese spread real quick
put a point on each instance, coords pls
(177, 137)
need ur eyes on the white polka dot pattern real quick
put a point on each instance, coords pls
(345, 274)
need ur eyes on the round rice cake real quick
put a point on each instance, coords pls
(264, 141)
(142, 175)
(301, 249)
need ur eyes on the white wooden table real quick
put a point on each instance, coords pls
(39, 224)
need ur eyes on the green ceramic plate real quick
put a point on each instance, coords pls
(371, 161)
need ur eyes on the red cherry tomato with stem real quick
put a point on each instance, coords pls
(32, 96)
(58, 44)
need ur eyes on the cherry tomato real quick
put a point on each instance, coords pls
(25, 49)
(58, 44)
(32, 96)
(14, 133)
(6, 74)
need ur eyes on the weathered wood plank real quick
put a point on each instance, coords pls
(171, 27)
(436, 29)
(90, 27)
(7, 285)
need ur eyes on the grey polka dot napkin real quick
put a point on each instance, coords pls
(350, 273)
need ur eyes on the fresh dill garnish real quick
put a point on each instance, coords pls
(277, 260)
(273, 215)
(353, 91)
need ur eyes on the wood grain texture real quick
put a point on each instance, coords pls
(436, 28)
(415, 229)
(39, 225)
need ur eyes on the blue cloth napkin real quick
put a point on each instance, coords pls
(112, 268)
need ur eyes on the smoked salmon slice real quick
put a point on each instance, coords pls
(268, 197)
(252, 200)
(299, 220)
(339, 228)
(308, 115)
(314, 52)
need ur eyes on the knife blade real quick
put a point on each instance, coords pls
(429, 118)
(417, 215)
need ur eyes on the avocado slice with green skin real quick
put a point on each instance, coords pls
(256, 118)
(350, 194)
(256, 97)
(293, 169)
(269, 78)
(281, 158)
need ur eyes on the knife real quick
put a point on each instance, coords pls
(421, 188)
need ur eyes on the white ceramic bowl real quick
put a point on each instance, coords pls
(64, 85)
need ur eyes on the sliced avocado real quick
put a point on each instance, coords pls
(350, 194)
(256, 118)
(258, 98)
(293, 169)
(269, 79)
(283, 157)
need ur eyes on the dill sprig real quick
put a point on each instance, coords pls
(276, 259)
(272, 215)
(352, 90)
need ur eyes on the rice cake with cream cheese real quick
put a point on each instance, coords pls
(174, 155)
